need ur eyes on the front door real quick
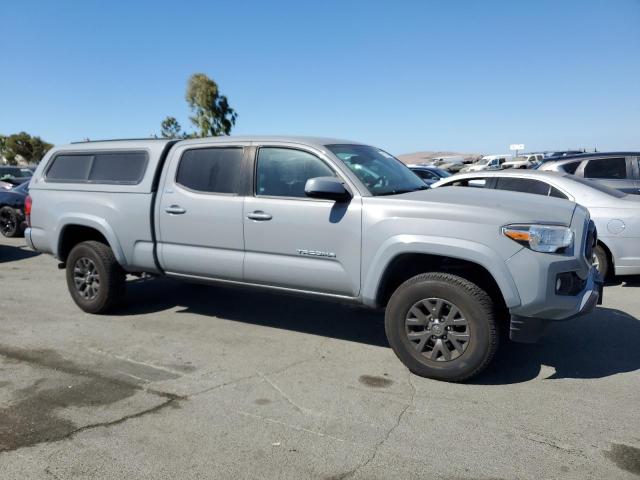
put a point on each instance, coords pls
(199, 214)
(296, 242)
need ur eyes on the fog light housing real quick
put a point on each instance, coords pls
(568, 283)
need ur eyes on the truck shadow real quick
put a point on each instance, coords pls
(9, 253)
(598, 345)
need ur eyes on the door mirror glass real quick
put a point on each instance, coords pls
(328, 188)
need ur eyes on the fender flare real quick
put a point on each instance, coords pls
(440, 246)
(91, 221)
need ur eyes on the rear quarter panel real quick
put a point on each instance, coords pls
(120, 212)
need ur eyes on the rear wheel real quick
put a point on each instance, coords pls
(9, 222)
(442, 326)
(95, 279)
(601, 260)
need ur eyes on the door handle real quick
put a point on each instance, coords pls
(175, 210)
(259, 215)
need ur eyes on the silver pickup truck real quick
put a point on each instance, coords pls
(323, 217)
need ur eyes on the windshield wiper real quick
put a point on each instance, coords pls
(407, 190)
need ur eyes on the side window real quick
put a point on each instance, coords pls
(523, 185)
(100, 167)
(468, 182)
(570, 167)
(554, 192)
(125, 167)
(70, 168)
(211, 170)
(283, 172)
(606, 168)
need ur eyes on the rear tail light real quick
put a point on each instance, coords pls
(27, 209)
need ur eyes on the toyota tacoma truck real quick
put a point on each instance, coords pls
(323, 217)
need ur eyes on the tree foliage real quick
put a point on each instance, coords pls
(170, 128)
(211, 113)
(30, 149)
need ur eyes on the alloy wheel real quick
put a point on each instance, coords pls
(86, 278)
(437, 329)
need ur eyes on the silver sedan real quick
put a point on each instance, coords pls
(616, 214)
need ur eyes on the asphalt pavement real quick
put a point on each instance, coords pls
(194, 382)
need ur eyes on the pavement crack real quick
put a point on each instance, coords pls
(386, 437)
(169, 401)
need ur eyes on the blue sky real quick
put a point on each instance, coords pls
(404, 75)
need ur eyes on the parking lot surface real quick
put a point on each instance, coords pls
(190, 381)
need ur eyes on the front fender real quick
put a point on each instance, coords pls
(442, 246)
(90, 221)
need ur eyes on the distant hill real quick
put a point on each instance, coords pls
(419, 157)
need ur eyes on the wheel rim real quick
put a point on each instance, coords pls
(7, 223)
(595, 262)
(86, 278)
(437, 329)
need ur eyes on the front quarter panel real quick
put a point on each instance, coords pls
(471, 240)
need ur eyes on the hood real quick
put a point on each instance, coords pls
(478, 205)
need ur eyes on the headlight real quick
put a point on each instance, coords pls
(541, 238)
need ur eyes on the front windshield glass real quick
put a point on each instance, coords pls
(442, 173)
(381, 173)
(598, 186)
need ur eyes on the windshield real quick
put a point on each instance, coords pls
(441, 172)
(598, 186)
(380, 172)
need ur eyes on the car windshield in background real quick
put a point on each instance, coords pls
(441, 172)
(381, 173)
(598, 186)
(15, 172)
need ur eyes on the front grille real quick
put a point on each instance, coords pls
(590, 241)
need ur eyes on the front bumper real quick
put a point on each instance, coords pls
(529, 329)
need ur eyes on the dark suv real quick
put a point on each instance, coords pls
(619, 170)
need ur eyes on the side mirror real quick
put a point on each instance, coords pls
(328, 188)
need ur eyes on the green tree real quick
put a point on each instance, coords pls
(170, 128)
(30, 149)
(212, 114)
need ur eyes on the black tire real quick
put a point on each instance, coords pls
(10, 222)
(110, 287)
(600, 255)
(476, 309)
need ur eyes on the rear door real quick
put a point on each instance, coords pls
(294, 241)
(199, 213)
(615, 172)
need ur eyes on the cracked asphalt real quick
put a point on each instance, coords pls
(193, 382)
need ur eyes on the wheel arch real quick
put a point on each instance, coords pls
(404, 258)
(79, 229)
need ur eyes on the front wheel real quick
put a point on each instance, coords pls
(601, 261)
(95, 279)
(442, 326)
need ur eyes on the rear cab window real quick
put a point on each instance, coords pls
(126, 168)
(215, 170)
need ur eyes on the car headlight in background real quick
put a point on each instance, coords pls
(540, 238)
